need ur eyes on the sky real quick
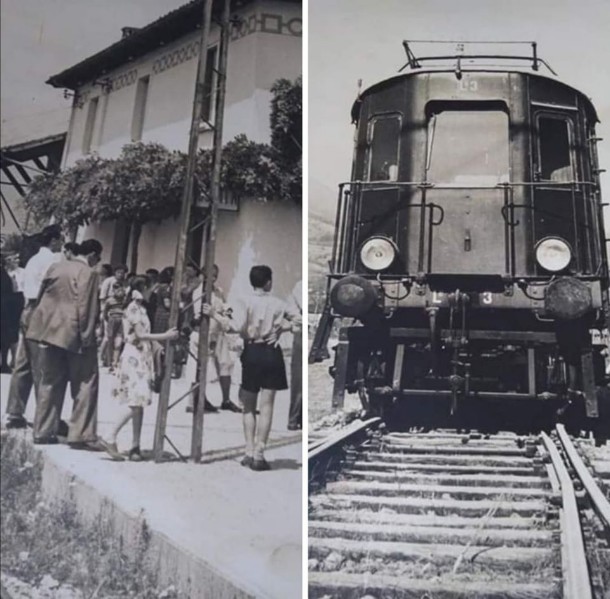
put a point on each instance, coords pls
(360, 39)
(40, 38)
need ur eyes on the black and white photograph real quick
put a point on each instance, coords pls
(151, 159)
(458, 372)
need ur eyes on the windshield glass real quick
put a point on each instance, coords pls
(468, 147)
(383, 149)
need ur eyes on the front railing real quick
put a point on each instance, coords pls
(590, 255)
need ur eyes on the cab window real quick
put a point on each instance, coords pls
(468, 147)
(384, 142)
(555, 162)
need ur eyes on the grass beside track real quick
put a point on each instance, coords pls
(41, 539)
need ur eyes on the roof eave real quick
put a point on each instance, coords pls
(165, 29)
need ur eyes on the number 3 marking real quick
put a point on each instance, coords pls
(487, 297)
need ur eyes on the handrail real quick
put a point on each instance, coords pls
(348, 216)
(428, 185)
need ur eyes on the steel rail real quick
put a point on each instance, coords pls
(576, 581)
(323, 453)
(342, 436)
(600, 503)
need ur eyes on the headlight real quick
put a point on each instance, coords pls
(378, 253)
(553, 254)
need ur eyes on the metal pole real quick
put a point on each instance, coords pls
(204, 328)
(187, 201)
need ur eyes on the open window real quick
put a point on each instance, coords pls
(468, 143)
(384, 144)
(554, 155)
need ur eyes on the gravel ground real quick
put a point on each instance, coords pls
(321, 413)
(48, 588)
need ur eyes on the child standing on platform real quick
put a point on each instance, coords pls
(260, 324)
(113, 319)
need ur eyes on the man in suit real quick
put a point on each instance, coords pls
(63, 325)
(25, 370)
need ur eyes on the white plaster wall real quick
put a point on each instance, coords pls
(255, 61)
(103, 232)
(260, 233)
(157, 247)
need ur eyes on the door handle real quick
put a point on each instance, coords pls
(467, 240)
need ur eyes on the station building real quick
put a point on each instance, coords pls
(141, 88)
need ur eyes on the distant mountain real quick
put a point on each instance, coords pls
(321, 230)
(322, 199)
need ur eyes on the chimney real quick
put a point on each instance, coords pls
(127, 31)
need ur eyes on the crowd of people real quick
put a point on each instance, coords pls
(65, 315)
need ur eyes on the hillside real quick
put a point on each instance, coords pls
(321, 231)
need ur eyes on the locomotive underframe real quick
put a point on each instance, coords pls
(458, 362)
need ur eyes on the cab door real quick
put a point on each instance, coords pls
(467, 158)
(558, 201)
(379, 198)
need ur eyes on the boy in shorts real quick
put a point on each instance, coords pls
(260, 324)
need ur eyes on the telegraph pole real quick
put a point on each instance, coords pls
(210, 246)
(187, 202)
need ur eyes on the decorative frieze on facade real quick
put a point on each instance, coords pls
(261, 23)
(268, 23)
(122, 80)
(176, 57)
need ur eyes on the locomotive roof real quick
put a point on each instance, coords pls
(430, 71)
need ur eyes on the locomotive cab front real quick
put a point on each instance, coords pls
(470, 252)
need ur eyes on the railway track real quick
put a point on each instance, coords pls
(446, 515)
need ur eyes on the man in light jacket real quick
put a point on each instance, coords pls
(63, 325)
(25, 370)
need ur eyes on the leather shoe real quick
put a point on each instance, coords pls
(260, 465)
(247, 461)
(86, 445)
(112, 450)
(46, 441)
(135, 455)
(229, 405)
(63, 429)
(16, 422)
(208, 407)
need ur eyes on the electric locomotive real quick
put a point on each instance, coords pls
(470, 251)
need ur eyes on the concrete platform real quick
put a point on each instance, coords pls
(218, 530)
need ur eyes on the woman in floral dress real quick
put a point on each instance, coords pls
(135, 372)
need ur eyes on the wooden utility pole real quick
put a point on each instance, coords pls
(210, 246)
(187, 202)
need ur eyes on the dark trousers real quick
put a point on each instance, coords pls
(25, 371)
(295, 411)
(114, 329)
(58, 367)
